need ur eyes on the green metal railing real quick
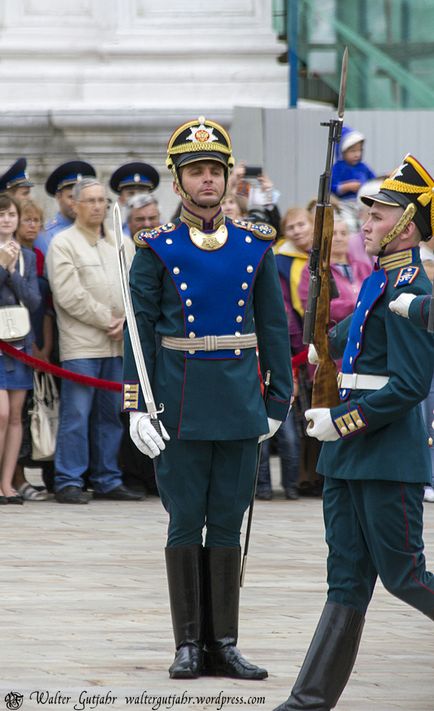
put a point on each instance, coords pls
(390, 45)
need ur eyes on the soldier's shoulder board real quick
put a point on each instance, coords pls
(406, 276)
(262, 230)
(142, 237)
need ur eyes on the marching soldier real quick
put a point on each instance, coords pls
(375, 456)
(207, 289)
(59, 185)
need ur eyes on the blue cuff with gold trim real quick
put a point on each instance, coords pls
(348, 421)
(130, 396)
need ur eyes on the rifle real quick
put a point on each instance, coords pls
(321, 284)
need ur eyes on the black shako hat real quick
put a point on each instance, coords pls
(15, 176)
(409, 183)
(133, 175)
(67, 174)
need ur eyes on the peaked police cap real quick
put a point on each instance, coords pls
(15, 176)
(135, 174)
(67, 174)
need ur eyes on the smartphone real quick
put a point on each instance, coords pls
(252, 171)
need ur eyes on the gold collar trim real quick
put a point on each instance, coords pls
(192, 220)
(396, 260)
(209, 241)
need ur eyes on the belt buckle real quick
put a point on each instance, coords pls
(210, 343)
(354, 377)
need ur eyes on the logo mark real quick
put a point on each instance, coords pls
(14, 700)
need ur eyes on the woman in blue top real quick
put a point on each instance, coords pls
(18, 283)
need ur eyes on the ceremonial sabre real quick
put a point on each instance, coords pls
(252, 502)
(132, 325)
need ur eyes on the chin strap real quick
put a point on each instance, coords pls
(402, 223)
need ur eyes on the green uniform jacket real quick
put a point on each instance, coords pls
(418, 312)
(209, 399)
(382, 433)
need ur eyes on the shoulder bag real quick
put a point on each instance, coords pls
(44, 416)
(14, 320)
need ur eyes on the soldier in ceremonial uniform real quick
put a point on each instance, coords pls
(15, 180)
(208, 290)
(375, 456)
(59, 185)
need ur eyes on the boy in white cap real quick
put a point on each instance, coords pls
(350, 172)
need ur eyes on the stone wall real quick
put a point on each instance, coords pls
(107, 80)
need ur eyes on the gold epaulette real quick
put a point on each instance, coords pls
(260, 229)
(142, 237)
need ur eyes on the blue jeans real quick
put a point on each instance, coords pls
(89, 416)
(428, 416)
(288, 449)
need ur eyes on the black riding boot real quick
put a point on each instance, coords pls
(329, 660)
(184, 577)
(221, 594)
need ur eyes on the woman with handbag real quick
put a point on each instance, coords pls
(19, 295)
(42, 320)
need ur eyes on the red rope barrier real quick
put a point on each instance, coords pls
(297, 360)
(56, 370)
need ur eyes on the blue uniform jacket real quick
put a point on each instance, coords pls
(382, 433)
(217, 395)
(57, 224)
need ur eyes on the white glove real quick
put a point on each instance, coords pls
(273, 426)
(321, 425)
(401, 305)
(312, 355)
(145, 436)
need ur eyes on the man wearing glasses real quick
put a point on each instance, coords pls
(82, 270)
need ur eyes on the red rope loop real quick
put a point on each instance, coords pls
(38, 364)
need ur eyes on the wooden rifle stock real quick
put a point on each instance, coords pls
(325, 389)
(321, 283)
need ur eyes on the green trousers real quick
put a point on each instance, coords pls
(375, 528)
(206, 484)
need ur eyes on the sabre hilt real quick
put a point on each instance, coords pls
(155, 422)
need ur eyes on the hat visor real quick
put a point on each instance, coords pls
(201, 155)
(382, 197)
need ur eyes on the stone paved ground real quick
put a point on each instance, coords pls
(86, 615)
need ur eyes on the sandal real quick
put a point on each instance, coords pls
(29, 493)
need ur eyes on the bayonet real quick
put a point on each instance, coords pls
(343, 85)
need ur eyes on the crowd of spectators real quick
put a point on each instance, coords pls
(64, 272)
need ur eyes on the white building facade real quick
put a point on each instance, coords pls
(107, 80)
